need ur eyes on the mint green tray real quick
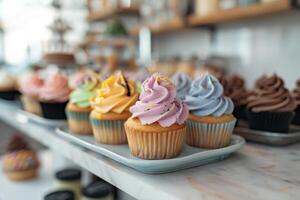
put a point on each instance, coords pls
(190, 156)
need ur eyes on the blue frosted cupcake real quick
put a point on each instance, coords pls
(183, 83)
(211, 122)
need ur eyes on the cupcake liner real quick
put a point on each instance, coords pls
(155, 145)
(109, 131)
(209, 135)
(53, 110)
(240, 112)
(79, 122)
(270, 121)
(296, 119)
(9, 95)
(31, 105)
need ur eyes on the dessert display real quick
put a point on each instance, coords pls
(271, 106)
(111, 109)
(183, 83)
(20, 162)
(211, 122)
(8, 89)
(235, 89)
(53, 97)
(69, 179)
(79, 107)
(99, 190)
(30, 88)
(157, 127)
(296, 95)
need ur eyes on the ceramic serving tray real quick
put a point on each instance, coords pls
(42, 121)
(190, 157)
(271, 138)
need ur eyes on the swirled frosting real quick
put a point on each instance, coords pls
(270, 95)
(158, 103)
(55, 89)
(296, 93)
(31, 85)
(20, 160)
(235, 89)
(117, 95)
(206, 97)
(82, 95)
(183, 83)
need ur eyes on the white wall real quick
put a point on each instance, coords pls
(263, 45)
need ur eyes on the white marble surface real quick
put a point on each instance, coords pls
(256, 172)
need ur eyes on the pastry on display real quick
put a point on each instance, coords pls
(111, 109)
(19, 162)
(157, 127)
(271, 106)
(79, 107)
(8, 90)
(211, 122)
(54, 96)
(30, 88)
(60, 195)
(296, 95)
(183, 83)
(235, 88)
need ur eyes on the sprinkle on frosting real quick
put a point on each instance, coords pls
(270, 95)
(183, 83)
(81, 96)
(117, 95)
(206, 97)
(55, 89)
(158, 103)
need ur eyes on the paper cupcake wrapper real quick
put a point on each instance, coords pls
(79, 122)
(155, 145)
(109, 131)
(209, 135)
(240, 112)
(270, 121)
(9, 95)
(296, 119)
(53, 110)
(31, 105)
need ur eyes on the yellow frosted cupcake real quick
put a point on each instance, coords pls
(111, 109)
(157, 128)
(79, 108)
(211, 122)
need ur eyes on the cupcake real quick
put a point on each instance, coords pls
(30, 88)
(79, 108)
(211, 122)
(296, 95)
(157, 127)
(183, 83)
(8, 89)
(271, 106)
(53, 97)
(111, 109)
(19, 162)
(235, 89)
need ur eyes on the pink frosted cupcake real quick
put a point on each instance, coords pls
(30, 89)
(157, 128)
(54, 97)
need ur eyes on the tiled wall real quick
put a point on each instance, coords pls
(263, 45)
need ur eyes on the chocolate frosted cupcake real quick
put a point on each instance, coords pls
(235, 89)
(271, 106)
(296, 95)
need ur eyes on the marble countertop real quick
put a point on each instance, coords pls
(255, 172)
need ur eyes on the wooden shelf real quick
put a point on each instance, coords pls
(241, 13)
(106, 14)
(163, 27)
